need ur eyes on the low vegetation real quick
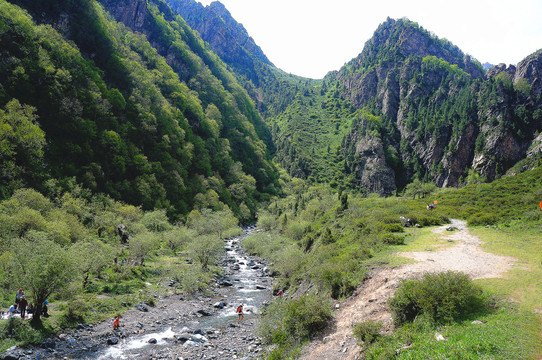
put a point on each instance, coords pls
(440, 297)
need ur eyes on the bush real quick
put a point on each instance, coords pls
(394, 228)
(442, 297)
(294, 321)
(392, 239)
(481, 219)
(21, 331)
(368, 331)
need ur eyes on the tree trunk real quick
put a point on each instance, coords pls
(36, 316)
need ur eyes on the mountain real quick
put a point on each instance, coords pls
(438, 111)
(140, 109)
(270, 88)
(409, 106)
(412, 106)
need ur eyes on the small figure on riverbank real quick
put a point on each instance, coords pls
(22, 306)
(240, 312)
(44, 310)
(116, 323)
(18, 295)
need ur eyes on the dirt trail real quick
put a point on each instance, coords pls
(369, 302)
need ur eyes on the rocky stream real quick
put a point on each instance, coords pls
(177, 328)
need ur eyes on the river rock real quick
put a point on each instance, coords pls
(182, 338)
(152, 341)
(198, 338)
(9, 356)
(203, 312)
(226, 283)
(219, 305)
(260, 287)
(113, 341)
(48, 344)
(142, 307)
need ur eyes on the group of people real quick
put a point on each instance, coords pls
(23, 307)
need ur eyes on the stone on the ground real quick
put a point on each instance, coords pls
(152, 341)
(48, 344)
(113, 340)
(219, 305)
(439, 337)
(203, 312)
(142, 307)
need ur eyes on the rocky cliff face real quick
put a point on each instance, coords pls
(225, 35)
(129, 12)
(368, 162)
(451, 118)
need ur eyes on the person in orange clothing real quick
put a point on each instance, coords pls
(116, 323)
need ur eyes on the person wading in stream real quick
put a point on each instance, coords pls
(240, 312)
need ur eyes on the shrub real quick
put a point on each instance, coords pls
(368, 331)
(442, 297)
(482, 219)
(392, 239)
(294, 321)
(20, 331)
(394, 228)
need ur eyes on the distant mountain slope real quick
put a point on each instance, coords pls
(424, 110)
(271, 88)
(155, 120)
(438, 111)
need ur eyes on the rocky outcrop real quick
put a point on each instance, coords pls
(225, 35)
(404, 73)
(129, 12)
(368, 163)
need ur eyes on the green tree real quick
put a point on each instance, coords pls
(143, 244)
(205, 249)
(21, 146)
(91, 257)
(43, 267)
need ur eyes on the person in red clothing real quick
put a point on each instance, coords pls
(240, 312)
(22, 305)
(116, 323)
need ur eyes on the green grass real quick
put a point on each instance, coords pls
(511, 330)
(507, 333)
(522, 282)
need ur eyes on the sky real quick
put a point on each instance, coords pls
(312, 37)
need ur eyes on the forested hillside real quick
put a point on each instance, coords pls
(425, 111)
(86, 97)
(410, 106)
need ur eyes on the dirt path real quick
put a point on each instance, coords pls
(369, 302)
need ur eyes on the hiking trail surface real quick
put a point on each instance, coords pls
(369, 301)
(202, 327)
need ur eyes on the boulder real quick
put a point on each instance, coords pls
(142, 307)
(219, 305)
(203, 312)
(48, 344)
(113, 340)
(182, 338)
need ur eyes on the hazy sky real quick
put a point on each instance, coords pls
(311, 37)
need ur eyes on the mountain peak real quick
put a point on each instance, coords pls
(396, 40)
